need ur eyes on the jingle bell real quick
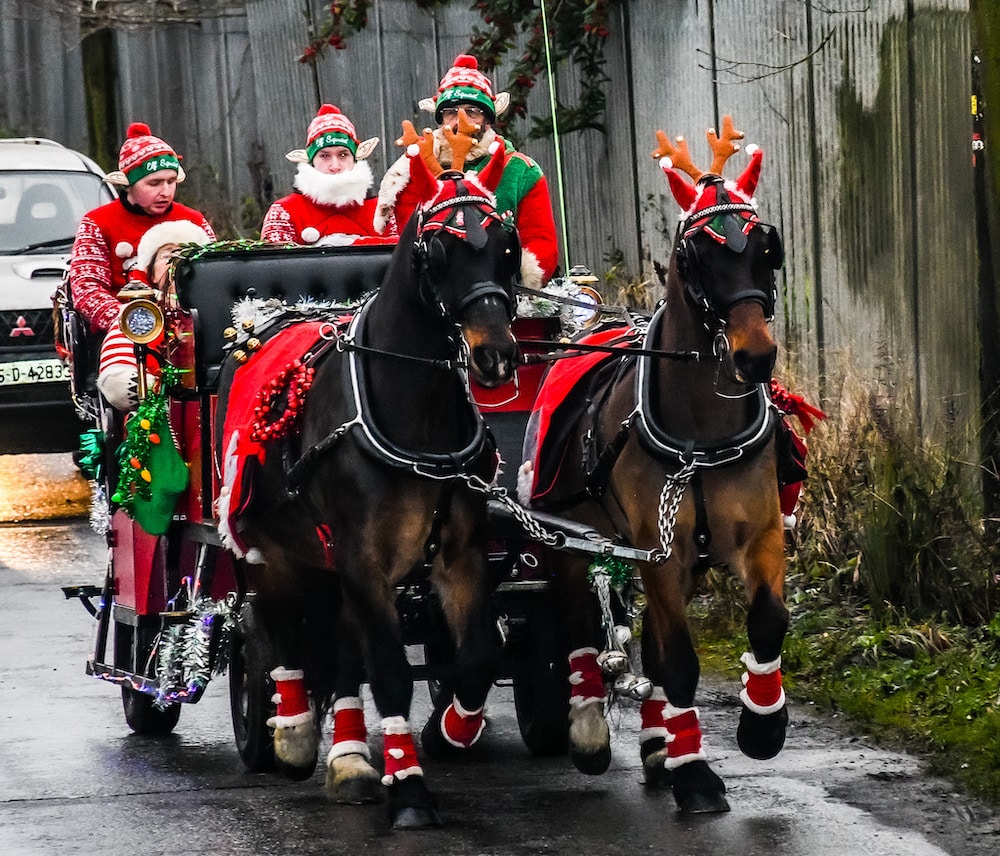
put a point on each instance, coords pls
(240, 356)
(229, 334)
(247, 325)
(632, 686)
(253, 343)
(612, 662)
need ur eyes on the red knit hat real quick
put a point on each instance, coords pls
(143, 154)
(464, 83)
(330, 127)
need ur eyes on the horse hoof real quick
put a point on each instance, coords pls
(761, 735)
(654, 753)
(295, 772)
(432, 740)
(592, 763)
(411, 805)
(697, 790)
(350, 780)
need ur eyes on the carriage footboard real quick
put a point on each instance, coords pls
(568, 534)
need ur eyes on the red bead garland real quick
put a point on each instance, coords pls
(291, 384)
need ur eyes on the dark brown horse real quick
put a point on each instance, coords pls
(678, 456)
(374, 483)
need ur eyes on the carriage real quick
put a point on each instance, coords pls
(676, 440)
(173, 609)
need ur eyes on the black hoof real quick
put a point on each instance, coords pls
(761, 736)
(697, 790)
(594, 763)
(654, 773)
(411, 805)
(296, 774)
(432, 741)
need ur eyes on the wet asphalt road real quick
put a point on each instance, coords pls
(74, 780)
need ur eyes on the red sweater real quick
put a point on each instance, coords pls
(106, 241)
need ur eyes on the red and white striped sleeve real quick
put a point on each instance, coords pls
(90, 277)
(277, 228)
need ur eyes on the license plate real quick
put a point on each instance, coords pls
(33, 371)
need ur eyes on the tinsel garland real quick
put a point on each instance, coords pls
(184, 664)
(133, 455)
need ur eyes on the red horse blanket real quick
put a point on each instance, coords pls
(557, 406)
(243, 450)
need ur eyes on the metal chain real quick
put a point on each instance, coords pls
(530, 525)
(670, 502)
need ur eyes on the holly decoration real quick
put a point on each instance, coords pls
(151, 473)
(578, 30)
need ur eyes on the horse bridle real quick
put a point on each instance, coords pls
(429, 254)
(713, 307)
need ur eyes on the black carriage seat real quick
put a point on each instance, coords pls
(208, 286)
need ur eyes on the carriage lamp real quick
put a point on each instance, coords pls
(580, 276)
(142, 321)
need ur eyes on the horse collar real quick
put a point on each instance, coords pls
(661, 445)
(434, 465)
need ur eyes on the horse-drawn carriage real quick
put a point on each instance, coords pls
(326, 434)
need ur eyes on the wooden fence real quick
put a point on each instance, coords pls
(862, 110)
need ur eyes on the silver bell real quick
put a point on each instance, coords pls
(612, 662)
(634, 687)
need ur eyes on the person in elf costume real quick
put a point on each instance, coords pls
(523, 193)
(106, 240)
(329, 206)
(117, 373)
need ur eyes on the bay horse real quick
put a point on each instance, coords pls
(676, 453)
(379, 476)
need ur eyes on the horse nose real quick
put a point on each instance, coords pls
(755, 367)
(494, 366)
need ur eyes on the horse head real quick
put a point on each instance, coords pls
(725, 258)
(468, 260)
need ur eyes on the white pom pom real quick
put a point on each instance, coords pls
(124, 250)
(492, 148)
(310, 234)
(254, 556)
(750, 149)
(666, 163)
(412, 150)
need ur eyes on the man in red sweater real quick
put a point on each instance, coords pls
(330, 205)
(108, 237)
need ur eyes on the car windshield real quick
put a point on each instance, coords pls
(40, 210)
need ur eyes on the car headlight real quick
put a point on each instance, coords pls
(141, 321)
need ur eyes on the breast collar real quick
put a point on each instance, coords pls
(661, 445)
(433, 465)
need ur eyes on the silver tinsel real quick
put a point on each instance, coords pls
(184, 662)
(100, 511)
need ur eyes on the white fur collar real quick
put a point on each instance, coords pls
(344, 188)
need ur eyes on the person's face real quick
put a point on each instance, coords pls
(154, 193)
(159, 265)
(333, 160)
(477, 115)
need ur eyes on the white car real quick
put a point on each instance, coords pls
(45, 189)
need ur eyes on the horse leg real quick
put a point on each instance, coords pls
(296, 739)
(671, 742)
(589, 736)
(461, 579)
(410, 803)
(764, 718)
(350, 778)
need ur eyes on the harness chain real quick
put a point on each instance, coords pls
(530, 525)
(670, 501)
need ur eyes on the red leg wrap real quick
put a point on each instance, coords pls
(400, 753)
(460, 727)
(290, 692)
(586, 680)
(683, 736)
(651, 711)
(762, 692)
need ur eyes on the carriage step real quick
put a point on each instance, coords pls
(84, 593)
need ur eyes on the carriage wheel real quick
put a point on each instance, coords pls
(250, 691)
(541, 684)
(131, 647)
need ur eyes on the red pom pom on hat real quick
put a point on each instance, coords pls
(138, 129)
(466, 61)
